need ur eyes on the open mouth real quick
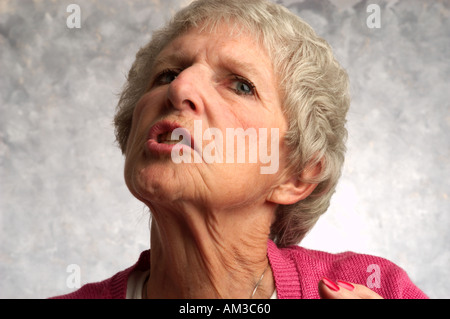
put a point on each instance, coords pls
(166, 138)
(162, 138)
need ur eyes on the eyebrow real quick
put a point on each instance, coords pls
(178, 58)
(181, 59)
(238, 66)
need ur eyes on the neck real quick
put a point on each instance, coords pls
(209, 254)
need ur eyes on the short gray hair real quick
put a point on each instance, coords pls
(314, 92)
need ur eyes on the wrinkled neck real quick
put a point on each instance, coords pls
(205, 254)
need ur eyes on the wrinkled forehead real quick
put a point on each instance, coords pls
(221, 37)
(232, 29)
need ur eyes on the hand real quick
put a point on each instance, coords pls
(344, 290)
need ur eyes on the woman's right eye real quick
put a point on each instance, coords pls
(166, 77)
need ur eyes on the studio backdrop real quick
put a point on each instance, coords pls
(66, 216)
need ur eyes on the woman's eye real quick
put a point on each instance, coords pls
(166, 77)
(242, 86)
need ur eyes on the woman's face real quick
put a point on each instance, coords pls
(215, 88)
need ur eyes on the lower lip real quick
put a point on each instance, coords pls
(163, 148)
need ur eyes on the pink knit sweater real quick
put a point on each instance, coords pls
(297, 272)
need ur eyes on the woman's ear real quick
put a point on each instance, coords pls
(294, 188)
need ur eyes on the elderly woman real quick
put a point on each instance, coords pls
(225, 226)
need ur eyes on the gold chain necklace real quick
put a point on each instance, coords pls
(144, 293)
(259, 281)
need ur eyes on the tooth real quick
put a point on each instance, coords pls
(167, 138)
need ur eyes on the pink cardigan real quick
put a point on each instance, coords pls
(297, 272)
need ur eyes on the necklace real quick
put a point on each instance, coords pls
(259, 281)
(251, 296)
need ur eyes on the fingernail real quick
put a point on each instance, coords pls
(330, 284)
(345, 285)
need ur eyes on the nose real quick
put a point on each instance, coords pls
(187, 90)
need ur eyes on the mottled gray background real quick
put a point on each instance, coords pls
(62, 196)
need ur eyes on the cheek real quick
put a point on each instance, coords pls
(253, 142)
(145, 113)
(240, 185)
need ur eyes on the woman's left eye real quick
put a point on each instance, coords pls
(242, 86)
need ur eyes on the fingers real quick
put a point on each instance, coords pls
(345, 290)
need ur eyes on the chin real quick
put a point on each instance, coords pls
(159, 182)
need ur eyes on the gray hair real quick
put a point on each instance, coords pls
(314, 93)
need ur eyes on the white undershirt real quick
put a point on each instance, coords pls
(136, 282)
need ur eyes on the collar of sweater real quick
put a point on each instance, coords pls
(284, 270)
